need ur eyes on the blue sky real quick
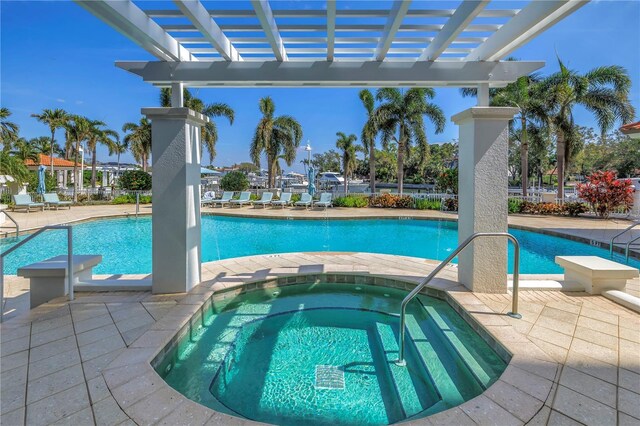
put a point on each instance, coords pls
(54, 54)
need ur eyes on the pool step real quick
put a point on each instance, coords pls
(400, 376)
(441, 376)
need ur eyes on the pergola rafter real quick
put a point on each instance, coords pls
(310, 33)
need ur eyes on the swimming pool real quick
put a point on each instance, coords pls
(322, 353)
(125, 243)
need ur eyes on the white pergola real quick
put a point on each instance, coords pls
(329, 44)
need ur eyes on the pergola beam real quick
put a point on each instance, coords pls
(268, 23)
(396, 16)
(462, 17)
(331, 28)
(535, 18)
(331, 74)
(129, 20)
(198, 15)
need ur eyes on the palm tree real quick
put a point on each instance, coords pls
(400, 118)
(8, 130)
(97, 136)
(78, 129)
(13, 166)
(275, 136)
(118, 148)
(349, 149)
(139, 140)
(209, 132)
(55, 119)
(369, 133)
(23, 150)
(603, 91)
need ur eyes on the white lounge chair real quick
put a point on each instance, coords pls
(226, 199)
(325, 200)
(285, 200)
(52, 200)
(264, 201)
(24, 201)
(305, 200)
(245, 198)
(208, 198)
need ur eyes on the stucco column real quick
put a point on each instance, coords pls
(176, 198)
(482, 196)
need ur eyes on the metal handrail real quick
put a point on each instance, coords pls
(627, 229)
(628, 246)
(29, 238)
(516, 278)
(14, 222)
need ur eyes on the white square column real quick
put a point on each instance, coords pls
(482, 196)
(176, 198)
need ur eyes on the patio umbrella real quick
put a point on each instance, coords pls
(41, 187)
(312, 178)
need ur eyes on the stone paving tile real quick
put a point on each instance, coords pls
(630, 334)
(13, 418)
(101, 347)
(92, 323)
(94, 367)
(53, 348)
(596, 325)
(53, 383)
(486, 412)
(107, 412)
(97, 334)
(592, 366)
(558, 419)
(7, 334)
(607, 355)
(14, 360)
(58, 406)
(629, 380)
(596, 337)
(550, 336)
(12, 398)
(155, 406)
(14, 377)
(582, 408)
(98, 389)
(14, 346)
(81, 418)
(518, 403)
(629, 403)
(589, 386)
(53, 364)
(188, 413)
(57, 333)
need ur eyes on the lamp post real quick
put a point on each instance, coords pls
(81, 182)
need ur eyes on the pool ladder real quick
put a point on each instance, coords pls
(629, 243)
(516, 278)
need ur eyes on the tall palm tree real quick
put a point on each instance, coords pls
(275, 136)
(369, 133)
(97, 136)
(8, 130)
(209, 132)
(43, 145)
(23, 150)
(139, 140)
(13, 166)
(603, 91)
(118, 148)
(400, 118)
(78, 130)
(55, 119)
(349, 148)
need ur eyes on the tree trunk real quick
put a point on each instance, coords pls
(560, 160)
(271, 171)
(118, 172)
(53, 133)
(93, 166)
(524, 156)
(372, 167)
(75, 174)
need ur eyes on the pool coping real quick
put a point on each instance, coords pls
(132, 372)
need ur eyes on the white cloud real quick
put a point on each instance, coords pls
(60, 100)
(79, 102)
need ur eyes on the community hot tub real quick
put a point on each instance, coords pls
(320, 352)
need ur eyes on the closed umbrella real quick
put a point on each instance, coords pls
(41, 187)
(312, 178)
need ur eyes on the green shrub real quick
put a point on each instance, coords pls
(447, 181)
(234, 181)
(295, 198)
(50, 182)
(515, 205)
(131, 199)
(357, 201)
(575, 208)
(135, 180)
(424, 204)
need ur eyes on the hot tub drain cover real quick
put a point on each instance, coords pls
(329, 377)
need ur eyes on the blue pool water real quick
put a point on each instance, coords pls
(126, 243)
(324, 354)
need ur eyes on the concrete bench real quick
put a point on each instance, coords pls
(48, 278)
(596, 274)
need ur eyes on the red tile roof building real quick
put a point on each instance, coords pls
(58, 163)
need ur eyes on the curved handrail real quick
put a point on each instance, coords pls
(629, 228)
(516, 278)
(14, 222)
(29, 238)
(628, 246)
